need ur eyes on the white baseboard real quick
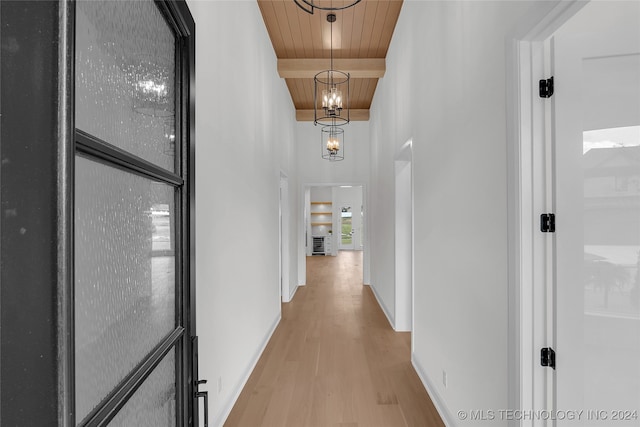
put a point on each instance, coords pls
(228, 405)
(295, 289)
(384, 308)
(436, 398)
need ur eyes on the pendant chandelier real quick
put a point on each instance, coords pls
(310, 5)
(331, 92)
(332, 143)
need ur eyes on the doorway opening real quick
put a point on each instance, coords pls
(404, 239)
(334, 220)
(285, 288)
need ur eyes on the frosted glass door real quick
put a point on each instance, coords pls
(597, 197)
(128, 330)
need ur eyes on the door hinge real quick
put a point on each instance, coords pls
(546, 88)
(548, 223)
(548, 357)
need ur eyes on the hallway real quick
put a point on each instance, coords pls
(334, 360)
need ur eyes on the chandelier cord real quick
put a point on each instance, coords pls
(331, 100)
(331, 41)
(331, 44)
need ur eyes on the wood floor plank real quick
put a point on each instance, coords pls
(334, 360)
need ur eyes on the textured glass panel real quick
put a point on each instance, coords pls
(154, 403)
(125, 77)
(124, 275)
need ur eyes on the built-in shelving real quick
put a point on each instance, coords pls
(321, 227)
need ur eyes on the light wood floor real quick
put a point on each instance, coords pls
(334, 360)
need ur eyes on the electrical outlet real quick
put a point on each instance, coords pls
(444, 378)
(219, 385)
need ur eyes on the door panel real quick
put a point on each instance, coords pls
(124, 287)
(597, 201)
(125, 77)
(106, 332)
(132, 354)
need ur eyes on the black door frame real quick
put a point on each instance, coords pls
(38, 144)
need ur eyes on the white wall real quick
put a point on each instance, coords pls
(245, 138)
(321, 194)
(445, 89)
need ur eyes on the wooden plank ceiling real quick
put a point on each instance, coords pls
(302, 43)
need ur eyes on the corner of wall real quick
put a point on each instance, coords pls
(293, 292)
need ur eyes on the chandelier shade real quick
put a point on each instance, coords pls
(332, 143)
(309, 6)
(331, 98)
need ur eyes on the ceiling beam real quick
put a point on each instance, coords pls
(354, 115)
(307, 68)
